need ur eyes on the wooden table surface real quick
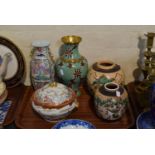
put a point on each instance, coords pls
(26, 118)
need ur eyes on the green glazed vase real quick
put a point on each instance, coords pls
(71, 67)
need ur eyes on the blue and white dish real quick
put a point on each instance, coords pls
(74, 124)
(145, 121)
(4, 108)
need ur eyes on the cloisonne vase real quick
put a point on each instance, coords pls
(42, 64)
(111, 100)
(71, 67)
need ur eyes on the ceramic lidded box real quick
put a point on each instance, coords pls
(103, 72)
(54, 101)
(111, 100)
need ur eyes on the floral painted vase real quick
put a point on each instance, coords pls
(42, 64)
(110, 101)
(71, 67)
(103, 72)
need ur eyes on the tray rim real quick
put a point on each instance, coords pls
(18, 125)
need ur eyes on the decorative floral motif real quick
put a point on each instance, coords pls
(74, 124)
(68, 53)
(77, 73)
(55, 95)
(111, 109)
(71, 67)
(103, 80)
(42, 67)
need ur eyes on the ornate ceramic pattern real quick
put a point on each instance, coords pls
(55, 95)
(71, 68)
(110, 109)
(42, 67)
(4, 108)
(54, 101)
(55, 114)
(74, 124)
(103, 72)
(111, 100)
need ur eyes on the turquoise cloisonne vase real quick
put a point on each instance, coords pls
(71, 67)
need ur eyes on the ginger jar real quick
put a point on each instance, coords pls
(71, 67)
(102, 72)
(110, 101)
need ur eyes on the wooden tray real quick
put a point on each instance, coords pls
(14, 95)
(26, 118)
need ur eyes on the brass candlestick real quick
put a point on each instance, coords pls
(148, 54)
(142, 89)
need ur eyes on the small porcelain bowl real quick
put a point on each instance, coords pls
(54, 101)
(74, 124)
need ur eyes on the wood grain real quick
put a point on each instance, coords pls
(26, 118)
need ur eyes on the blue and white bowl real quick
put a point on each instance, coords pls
(145, 121)
(74, 124)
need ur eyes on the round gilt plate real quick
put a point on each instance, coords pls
(16, 66)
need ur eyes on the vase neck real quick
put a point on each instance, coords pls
(111, 89)
(105, 65)
(71, 51)
(44, 51)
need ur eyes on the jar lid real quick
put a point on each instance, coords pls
(2, 88)
(53, 95)
(40, 43)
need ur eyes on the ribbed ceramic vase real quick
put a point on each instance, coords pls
(102, 72)
(42, 64)
(71, 67)
(111, 100)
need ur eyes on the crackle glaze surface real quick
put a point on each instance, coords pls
(111, 105)
(55, 95)
(103, 72)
